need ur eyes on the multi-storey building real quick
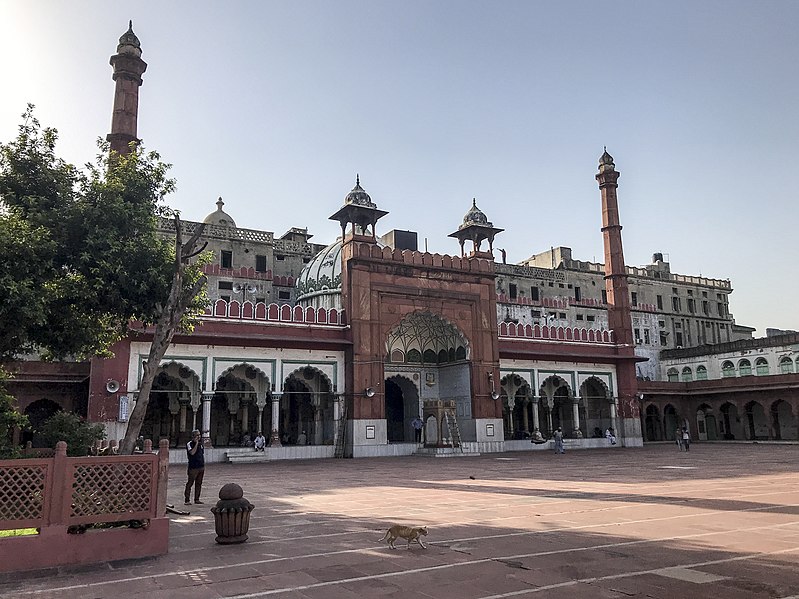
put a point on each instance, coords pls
(668, 310)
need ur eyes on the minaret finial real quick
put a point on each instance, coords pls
(130, 25)
(474, 202)
(357, 180)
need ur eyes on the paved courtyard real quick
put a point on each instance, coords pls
(721, 521)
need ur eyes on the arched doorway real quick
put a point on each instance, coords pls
(730, 425)
(439, 354)
(169, 413)
(395, 413)
(401, 407)
(517, 410)
(559, 398)
(671, 423)
(160, 418)
(595, 397)
(652, 425)
(307, 412)
(38, 413)
(706, 427)
(783, 421)
(237, 408)
(757, 425)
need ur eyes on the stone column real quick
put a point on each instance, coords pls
(525, 417)
(245, 418)
(535, 413)
(174, 411)
(613, 415)
(274, 434)
(576, 416)
(260, 402)
(205, 428)
(337, 399)
(183, 414)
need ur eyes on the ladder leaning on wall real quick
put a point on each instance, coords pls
(341, 437)
(453, 430)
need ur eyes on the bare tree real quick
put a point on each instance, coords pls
(188, 284)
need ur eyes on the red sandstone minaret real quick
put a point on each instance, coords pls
(619, 315)
(615, 271)
(128, 69)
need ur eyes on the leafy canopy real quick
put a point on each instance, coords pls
(84, 254)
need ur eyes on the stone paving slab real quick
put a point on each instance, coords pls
(719, 522)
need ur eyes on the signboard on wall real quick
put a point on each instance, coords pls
(123, 408)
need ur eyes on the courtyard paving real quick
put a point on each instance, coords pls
(721, 521)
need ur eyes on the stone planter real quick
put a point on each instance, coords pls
(232, 515)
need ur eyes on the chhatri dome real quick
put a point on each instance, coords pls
(475, 216)
(358, 196)
(129, 43)
(219, 216)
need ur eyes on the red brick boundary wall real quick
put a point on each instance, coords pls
(54, 494)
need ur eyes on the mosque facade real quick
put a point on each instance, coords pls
(336, 349)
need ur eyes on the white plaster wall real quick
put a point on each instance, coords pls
(714, 361)
(210, 362)
(573, 374)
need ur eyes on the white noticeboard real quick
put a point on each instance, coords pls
(123, 408)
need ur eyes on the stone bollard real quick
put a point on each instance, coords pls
(232, 515)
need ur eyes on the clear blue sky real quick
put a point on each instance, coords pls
(276, 105)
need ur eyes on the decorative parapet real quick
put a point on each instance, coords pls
(644, 273)
(416, 258)
(274, 313)
(551, 302)
(240, 273)
(286, 246)
(552, 333)
(534, 272)
(188, 227)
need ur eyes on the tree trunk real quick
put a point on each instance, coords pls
(168, 324)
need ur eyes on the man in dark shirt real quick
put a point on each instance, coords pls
(194, 451)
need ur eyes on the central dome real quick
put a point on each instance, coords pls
(319, 283)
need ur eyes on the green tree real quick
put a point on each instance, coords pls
(10, 419)
(79, 435)
(88, 259)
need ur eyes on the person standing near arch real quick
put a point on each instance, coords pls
(417, 424)
(196, 471)
(558, 437)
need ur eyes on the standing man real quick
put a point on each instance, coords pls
(417, 425)
(558, 436)
(686, 439)
(196, 455)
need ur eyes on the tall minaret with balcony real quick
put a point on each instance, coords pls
(619, 314)
(615, 271)
(128, 69)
